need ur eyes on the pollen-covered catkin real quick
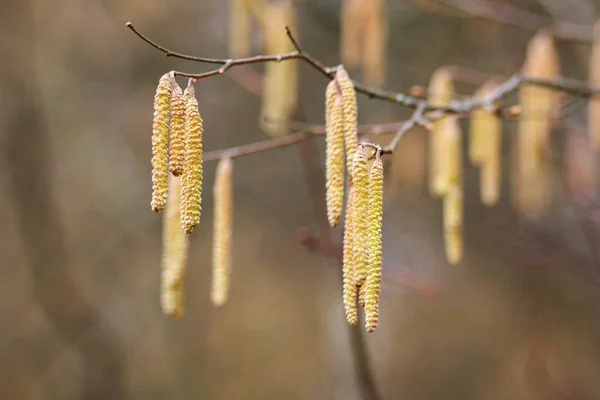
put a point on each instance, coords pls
(191, 202)
(348, 267)
(373, 283)
(453, 198)
(176, 130)
(160, 143)
(334, 153)
(222, 231)
(350, 114)
(360, 180)
(174, 253)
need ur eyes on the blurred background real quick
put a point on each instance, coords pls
(80, 249)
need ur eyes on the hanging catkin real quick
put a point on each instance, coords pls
(350, 114)
(448, 133)
(453, 197)
(594, 77)
(174, 256)
(373, 283)
(360, 217)
(239, 28)
(160, 143)
(538, 105)
(374, 42)
(348, 266)
(222, 231)
(334, 117)
(440, 93)
(176, 130)
(484, 147)
(191, 203)
(352, 12)
(280, 88)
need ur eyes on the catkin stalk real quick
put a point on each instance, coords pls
(222, 231)
(348, 266)
(334, 153)
(177, 130)
(191, 204)
(373, 283)
(350, 114)
(174, 256)
(160, 143)
(360, 218)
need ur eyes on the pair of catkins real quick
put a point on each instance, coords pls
(361, 263)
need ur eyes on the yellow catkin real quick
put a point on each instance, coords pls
(191, 204)
(351, 32)
(373, 283)
(280, 90)
(374, 42)
(239, 28)
(350, 114)
(176, 130)
(448, 164)
(453, 197)
(440, 93)
(485, 147)
(222, 231)
(334, 153)
(160, 143)
(594, 78)
(360, 219)
(174, 256)
(348, 267)
(538, 106)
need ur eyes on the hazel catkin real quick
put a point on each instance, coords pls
(348, 266)
(160, 143)
(174, 253)
(222, 231)
(350, 114)
(334, 165)
(360, 217)
(374, 269)
(191, 202)
(176, 130)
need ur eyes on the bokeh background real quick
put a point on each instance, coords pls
(80, 249)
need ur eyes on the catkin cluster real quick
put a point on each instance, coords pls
(176, 147)
(362, 250)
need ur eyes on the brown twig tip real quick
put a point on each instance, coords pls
(128, 24)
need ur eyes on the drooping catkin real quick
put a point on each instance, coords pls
(374, 42)
(350, 114)
(348, 266)
(360, 217)
(160, 143)
(176, 130)
(538, 106)
(373, 283)
(280, 90)
(191, 203)
(484, 147)
(239, 28)
(449, 162)
(334, 165)
(594, 78)
(453, 197)
(440, 93)
(174, 253)
(351, 24)
(222, 231)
